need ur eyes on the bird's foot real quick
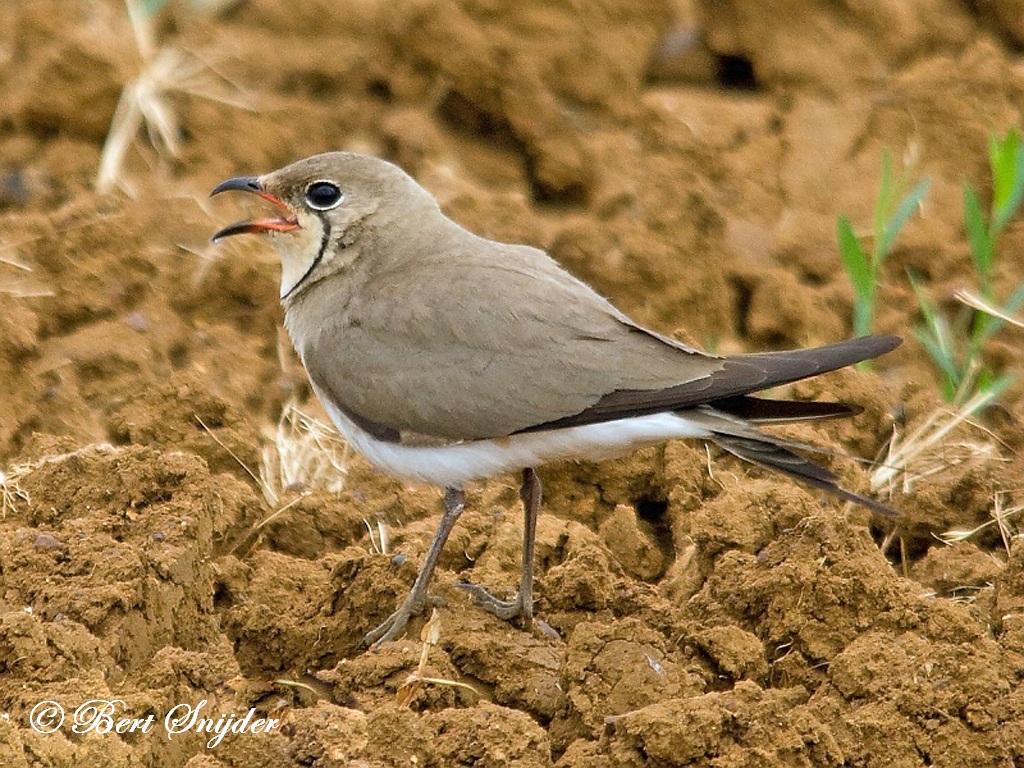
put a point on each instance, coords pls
(454, 503)
(395, 623)
(519, 607)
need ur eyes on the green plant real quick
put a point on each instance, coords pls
(957, 346)
(893, 208)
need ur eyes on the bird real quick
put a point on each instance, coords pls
(446, 358)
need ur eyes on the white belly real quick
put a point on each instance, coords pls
(460, 463)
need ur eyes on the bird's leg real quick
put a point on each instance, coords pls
(454, 503)
(530, 493)
(522, 604)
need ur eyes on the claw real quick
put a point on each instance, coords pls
(393, 624)
(503, 609)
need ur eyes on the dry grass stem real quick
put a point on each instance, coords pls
(25, 293)
(379, 543)
(145, 101)
(278, 512)
(305, 454)
(429, 635)
(15, 264)
(931, 449)
(1002, 517)
(974, 302)
(21, 287)
(231, 453)
(297, 684)
(11, 493)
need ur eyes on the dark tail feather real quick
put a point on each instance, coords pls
(760, 411)
(743, 440)
(793, 365)
(766, 453)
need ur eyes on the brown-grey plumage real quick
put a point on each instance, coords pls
(446, 357)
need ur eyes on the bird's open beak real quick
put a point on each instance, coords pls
(252, 184)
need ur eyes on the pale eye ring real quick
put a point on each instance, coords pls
(323, 195)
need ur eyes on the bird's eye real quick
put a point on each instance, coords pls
(323, 195)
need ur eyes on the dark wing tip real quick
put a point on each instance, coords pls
(738, 375)
(764, 452)
(880, 345)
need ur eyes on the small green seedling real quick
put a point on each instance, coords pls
(957, 346)
(893, 207)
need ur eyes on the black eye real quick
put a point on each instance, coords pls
(323, 195)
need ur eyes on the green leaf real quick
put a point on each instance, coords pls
(977, 234)
(861, 276)
(884, 202)
(935, 336)
(999, 385)
(982, 327)
(900, 217)
(1011, 184)
(152, 7)
(858, 269)
(950, 375)
(1001, 156)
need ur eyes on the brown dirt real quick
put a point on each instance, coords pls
(688, 159)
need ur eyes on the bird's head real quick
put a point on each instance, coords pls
(325, 203)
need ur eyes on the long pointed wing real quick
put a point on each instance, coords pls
(738, 375)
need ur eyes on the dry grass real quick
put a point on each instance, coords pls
(11, 493)
(937, 445)
(379, 541)
(24, 285)
(1005, 516)
(146, 101)
(429, 635)
(972, 301)
(303, 455)
(946, 439)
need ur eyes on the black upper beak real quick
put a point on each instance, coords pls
(243, 183)
(252, 184)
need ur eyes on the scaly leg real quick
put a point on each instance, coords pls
(454, 503)
(522, 604)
